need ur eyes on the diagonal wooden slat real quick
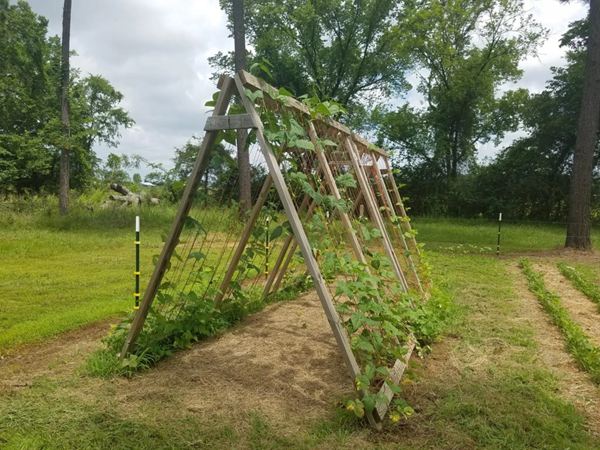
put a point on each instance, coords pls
(227, 89)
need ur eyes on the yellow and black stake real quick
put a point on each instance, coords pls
(267, 247)
(136, 294)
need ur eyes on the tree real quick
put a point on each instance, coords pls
(530, 178)
(220, 168)
(463, 52)
(63, 195)
(243, 155)
(336, 49)
(95, 117)
(578, 223)
(115, 169)
(24, 92)
(31, 131)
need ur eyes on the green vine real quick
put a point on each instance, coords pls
(378, 315)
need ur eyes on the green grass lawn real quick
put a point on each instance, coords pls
(476, 235)
(58, 273)
(489, 390)
(54, 280)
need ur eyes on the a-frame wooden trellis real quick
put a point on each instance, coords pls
(375, 188)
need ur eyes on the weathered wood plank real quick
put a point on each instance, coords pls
(301, 238)
(279, 263)
(374, 212)
(253, 82)
(396, 373)
(399, 205)
(227, 88)
(391, 213)
(290, 255)
(228, 122)
(245, 236)
(330, 182)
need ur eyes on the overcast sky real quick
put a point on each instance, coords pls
(155, 52)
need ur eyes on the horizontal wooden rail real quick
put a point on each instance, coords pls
(254, 83)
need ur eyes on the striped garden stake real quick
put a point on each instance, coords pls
(499, 228)
(267, 247)
(136, 294)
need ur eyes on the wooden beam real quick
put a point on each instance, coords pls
(357, 202)
(249, 80)
(374, 212)
(227, 88)
(386, 393)
(246, 232)
(280, 258)
(228, 122)
(330, 182)
(284, 266)
(282, 254)
(389, 209)
(399, 205)
(324, 295)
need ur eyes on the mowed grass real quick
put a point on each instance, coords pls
(488, 387)
(484, 388)
(480, 236)
(55, 280)
(58, 273)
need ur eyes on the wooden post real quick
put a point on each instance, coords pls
(330, 181)
(324, 295)
(284, 267)
(357, 204)
(239, 250)
(389, 208)
(282, 255)
(277, 265)
(400, 206)
(374, 212)
(290, 255)
(226, 85)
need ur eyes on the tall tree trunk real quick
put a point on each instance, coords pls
(578, 226)
(243, 155)
(64, 176)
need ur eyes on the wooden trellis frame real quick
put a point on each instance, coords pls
(355, 148)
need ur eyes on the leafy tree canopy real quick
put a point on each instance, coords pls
(30, 131)
(336, 49)
(464, 52)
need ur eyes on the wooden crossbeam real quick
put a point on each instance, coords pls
(249, 80)
(229, 122)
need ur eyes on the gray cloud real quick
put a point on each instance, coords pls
(155, 52)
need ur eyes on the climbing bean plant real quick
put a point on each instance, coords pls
(377, 314)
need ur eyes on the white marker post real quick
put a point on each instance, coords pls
(499, 228)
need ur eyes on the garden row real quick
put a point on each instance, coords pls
(571, 313)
